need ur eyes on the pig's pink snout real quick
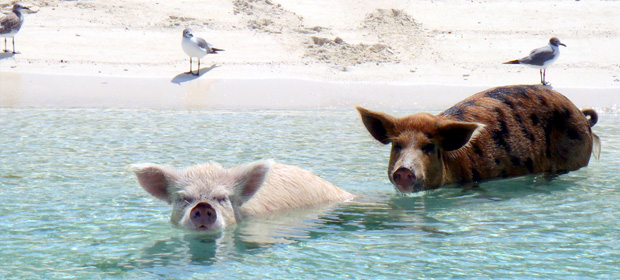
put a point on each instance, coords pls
(404, 178)
(203, 215)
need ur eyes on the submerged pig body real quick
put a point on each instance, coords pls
(498, 133)
(208, 197)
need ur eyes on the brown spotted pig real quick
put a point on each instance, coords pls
(208, 197)
(498, 133)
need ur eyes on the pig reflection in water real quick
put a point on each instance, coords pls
(208, 197)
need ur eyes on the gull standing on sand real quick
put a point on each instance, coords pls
(541, 58)
(11, 23)
(196, 47)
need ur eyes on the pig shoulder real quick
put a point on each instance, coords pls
(289, 187)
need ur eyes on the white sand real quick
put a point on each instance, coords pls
(128, 53)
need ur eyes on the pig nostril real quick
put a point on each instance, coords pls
(404, 177)
(396, 177)
(203, 215)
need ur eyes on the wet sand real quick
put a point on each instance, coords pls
(186, 92)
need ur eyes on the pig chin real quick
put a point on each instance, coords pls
(412, 188)
(188, 224)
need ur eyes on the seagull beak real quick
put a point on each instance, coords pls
(562, 44)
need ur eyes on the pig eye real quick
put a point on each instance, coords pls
(187, 200)
(397, 146)
(221, 199)
(428, 148)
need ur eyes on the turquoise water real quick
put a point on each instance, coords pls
(69, 208)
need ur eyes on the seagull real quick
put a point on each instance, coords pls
(542, 57)
(11, 23)
(196, 47)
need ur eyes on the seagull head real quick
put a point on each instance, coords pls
(188, 33)
(555, 42)
(19, 6)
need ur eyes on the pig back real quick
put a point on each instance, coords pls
(529, 129)
(289, 187)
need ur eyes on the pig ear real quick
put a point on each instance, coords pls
(454, 135)
(155, 179)
(250, 178)
(380, 125)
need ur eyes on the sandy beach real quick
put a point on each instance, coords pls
(304, 53)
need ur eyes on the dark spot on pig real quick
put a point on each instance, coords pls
(502, 97)
(458, 111)
(558, 122)
(509, 104)
(475, 175)
(500, 113)
(518, 119)
(528, 134)
(520, 92)
(548, 129)
(477, 149)
(543, 101)
(469, 103)
(499, 136)
(573, 135)
(535, 119)
(530, 165)
(515, 161)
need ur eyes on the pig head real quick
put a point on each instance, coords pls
(419, 142)
(204, 197)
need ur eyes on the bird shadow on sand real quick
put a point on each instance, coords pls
(4, 55)
(186, 76)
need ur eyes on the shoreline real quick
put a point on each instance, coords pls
(184, 92)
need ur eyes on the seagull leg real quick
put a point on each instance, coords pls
(5, 49)
(198, 74)
(13, 45)
(542, 77)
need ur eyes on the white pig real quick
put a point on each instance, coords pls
(208, 197)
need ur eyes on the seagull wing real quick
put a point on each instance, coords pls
(538, 56)
(204, 45)
(9, 22)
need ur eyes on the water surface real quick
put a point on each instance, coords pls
(70, 209)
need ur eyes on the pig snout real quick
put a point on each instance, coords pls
(203, 215)
(405, 180)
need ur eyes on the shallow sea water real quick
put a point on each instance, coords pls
(70, 209)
